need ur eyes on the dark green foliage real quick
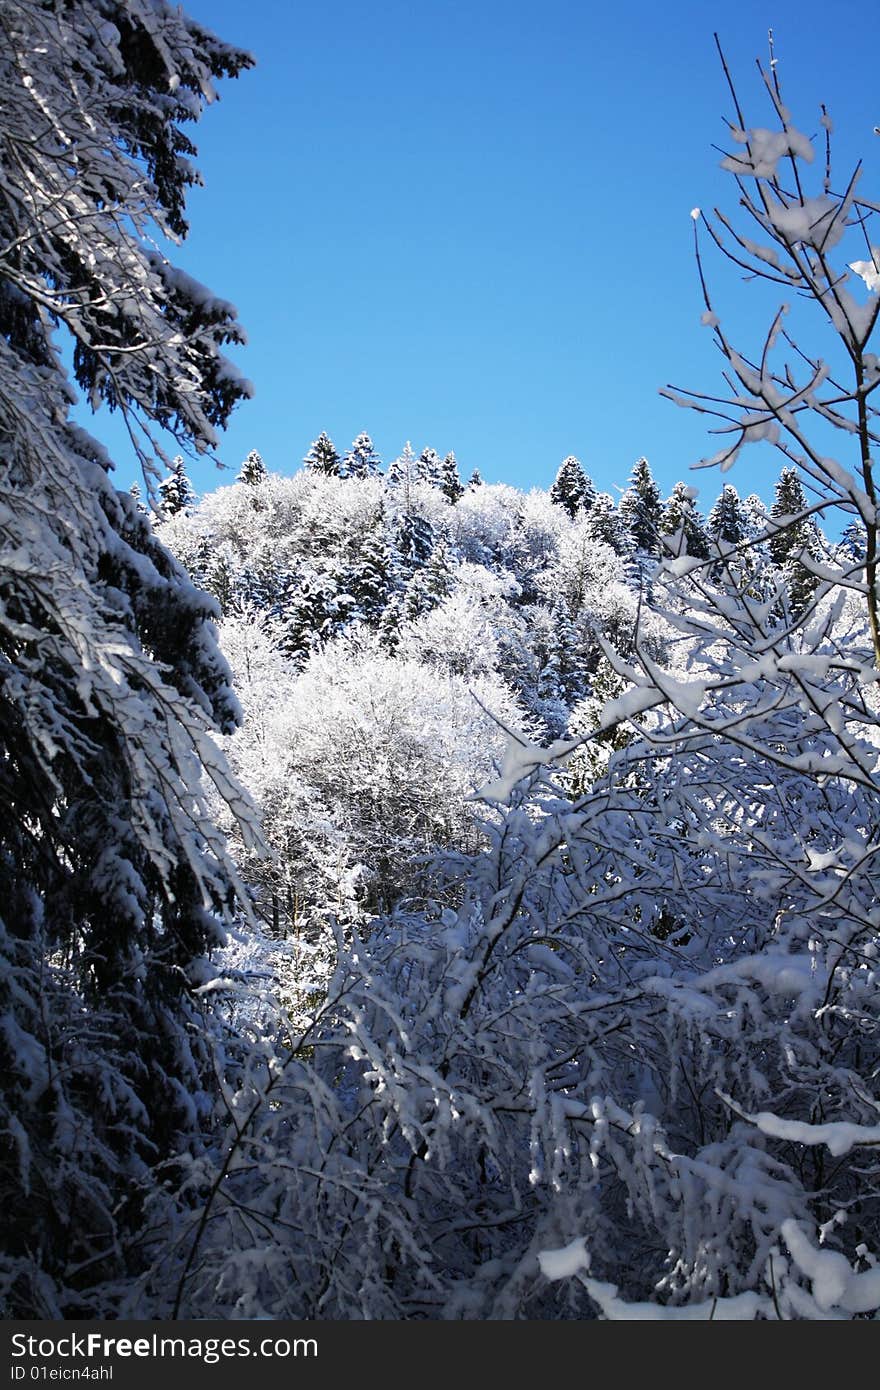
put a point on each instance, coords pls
(640, 509)
(322, 457)
(571, 488)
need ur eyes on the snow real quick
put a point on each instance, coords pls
(834, 1283)
(742, 1307)
(838, 1136)
(766, 149)
(565, 1263)
(869, 271)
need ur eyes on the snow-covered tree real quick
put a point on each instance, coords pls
(176, 491)
(253, 470)
(682, 526)
(322, 457)
(571, 488)
(794, 538)
(641, 509)
(727, 521)
(361, 460)
(430, 467)
(113, 880)
(450, 480)
(605, 523)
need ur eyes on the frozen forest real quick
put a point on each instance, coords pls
(422, 897)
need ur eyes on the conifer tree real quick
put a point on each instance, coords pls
(253, 470)
(727, 520)
(403, 471)
(682, 522)
(795, 534)
(361, 461)
(475, 480)
(113, 879)
(430, 468)
(640, 509)
(571, 488)
(605, 523)
(451, 485)
(176, 491)
(322, 456)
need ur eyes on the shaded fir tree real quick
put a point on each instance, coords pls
(727, 521)
(641, 509)
(450, 483)
(322, 456)
(475, 480)
(853, 546)
(563, 679)
(176, 491)
(430, 468)
(794, 534)
(253, 470)
(369, 575)
(361, 460)
(605, 524)
(682, 525)
(310, 609)
(571, 488)
(114, 882)
(429, 583)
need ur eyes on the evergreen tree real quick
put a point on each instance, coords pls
(475, 480)
(605, 523)
(681, 522)
(322, 456)
(451, 484)
(361, 461)
(369, 577)
(176, 491)
(113, 879)
(727, 521)
(136, 493)
(572, 489)
(403, 471)
(430, 468)
(853, 544)
(640, 509)
(794, 535)
(253, 470)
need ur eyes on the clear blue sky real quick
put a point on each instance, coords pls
(466, 222)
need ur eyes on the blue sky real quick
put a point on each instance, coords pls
(467, 224)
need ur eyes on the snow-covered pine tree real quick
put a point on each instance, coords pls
(430, 468)
(605, 523)
(113, 879)
(361, 460)
(727, 521)
(682, 523)
(253, 470)
(322, 456)
(176, 490)
(475, 480)
(451, 485)
(794, 534)
(571, 488)
(641, 509)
